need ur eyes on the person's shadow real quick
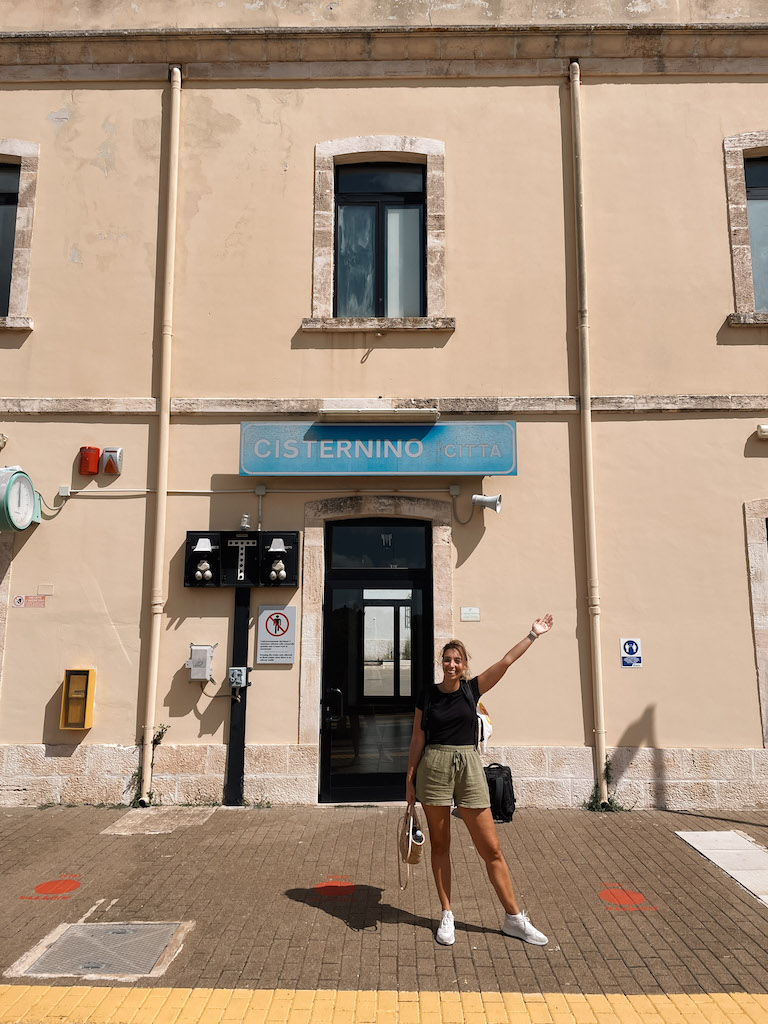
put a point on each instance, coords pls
(360, 906)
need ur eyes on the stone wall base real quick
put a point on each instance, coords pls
(674, 778)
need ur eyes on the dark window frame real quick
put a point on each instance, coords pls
(8, 198)
(756, 168)
(382, 200)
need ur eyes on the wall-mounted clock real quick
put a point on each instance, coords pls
(19, 501)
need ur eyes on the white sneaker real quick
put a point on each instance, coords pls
(445, 935)
(519, 927)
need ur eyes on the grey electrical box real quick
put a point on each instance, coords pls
(200, 662)
(238, 677)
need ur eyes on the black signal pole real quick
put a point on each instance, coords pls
(235, 774)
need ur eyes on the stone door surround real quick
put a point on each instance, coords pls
(316, 515)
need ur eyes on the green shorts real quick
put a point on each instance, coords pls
(446, 773)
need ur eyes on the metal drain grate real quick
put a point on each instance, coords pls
(104, 949)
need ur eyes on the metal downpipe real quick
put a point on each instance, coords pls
(585, 397)
(163, 439)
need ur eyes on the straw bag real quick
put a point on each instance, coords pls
(410, 843)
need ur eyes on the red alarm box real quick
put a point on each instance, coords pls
(88, 464)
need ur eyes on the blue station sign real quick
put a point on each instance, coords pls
(378, 449)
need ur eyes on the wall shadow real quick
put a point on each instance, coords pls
(641, 734)
(59, 742)
(369, 341)
(183, 699)
(467, 536)
(14, 339)
(752, 334)
(754, 448)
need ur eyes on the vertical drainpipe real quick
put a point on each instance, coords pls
(163, 438)
(588, 474)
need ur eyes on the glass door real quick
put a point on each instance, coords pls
(377, 643)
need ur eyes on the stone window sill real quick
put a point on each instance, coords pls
(748, 319)
(379, 324)
(16, 323)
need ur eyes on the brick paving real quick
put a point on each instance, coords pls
(248, 879)
(306, 900)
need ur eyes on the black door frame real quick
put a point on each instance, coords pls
(375, 578)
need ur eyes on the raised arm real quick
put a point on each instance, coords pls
(492, 675)
(418, 742)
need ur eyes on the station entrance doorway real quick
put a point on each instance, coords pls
(377, 654)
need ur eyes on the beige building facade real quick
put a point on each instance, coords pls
(588, 266)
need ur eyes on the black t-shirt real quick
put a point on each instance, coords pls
(451, 721)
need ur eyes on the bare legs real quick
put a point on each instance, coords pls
(486, 840)
(483, 834)
(439, 822)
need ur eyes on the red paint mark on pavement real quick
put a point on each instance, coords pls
(45, 897)
(616, 897)
(334, 888)
(56, 888)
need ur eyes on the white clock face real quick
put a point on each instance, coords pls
(21, 501)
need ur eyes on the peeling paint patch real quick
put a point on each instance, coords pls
(61, 116)
(644, 6)
(74, 254)
(255, 6)
(111, 236)
(105, 157)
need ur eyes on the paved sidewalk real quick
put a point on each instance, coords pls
(298, 917)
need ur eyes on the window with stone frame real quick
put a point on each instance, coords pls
(746, 181)
(18, 181)
(379, 235)
(9, 201)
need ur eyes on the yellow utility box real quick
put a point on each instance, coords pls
(77, 698)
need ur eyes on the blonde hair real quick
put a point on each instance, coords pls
(456, 645)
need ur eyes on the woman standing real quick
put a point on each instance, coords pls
(446, 765)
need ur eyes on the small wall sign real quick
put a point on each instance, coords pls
(631, 653)
(470, 614)
(29, 601)
(276, 635)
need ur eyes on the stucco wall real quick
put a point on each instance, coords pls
(660, 276)
(245, 240)
(672, 564)
(94, 554)
(245, 243)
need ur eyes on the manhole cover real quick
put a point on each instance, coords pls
(110, 949)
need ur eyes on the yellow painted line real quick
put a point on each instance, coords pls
(85, 1004)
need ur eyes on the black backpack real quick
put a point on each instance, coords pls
(499, 779)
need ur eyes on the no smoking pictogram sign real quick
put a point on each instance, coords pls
(277, 624)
